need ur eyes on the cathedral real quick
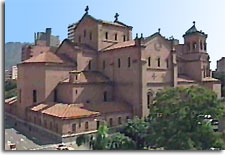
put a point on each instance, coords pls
(102, 75)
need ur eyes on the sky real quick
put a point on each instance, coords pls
(174, 17)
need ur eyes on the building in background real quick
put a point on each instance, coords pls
(14, 72)
(220, 68)
(43, 41)
(71, 31)
(106, 76)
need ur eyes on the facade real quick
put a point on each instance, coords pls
(220, 68)
(11, 73)
(43, 41)
(14, 72)
(71, 31)
(106, 76)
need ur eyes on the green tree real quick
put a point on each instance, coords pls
(175, 121)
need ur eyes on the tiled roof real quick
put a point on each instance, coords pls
(73, 111)
(64, 111)
(89, 77)
(120, 45)
(45, 57)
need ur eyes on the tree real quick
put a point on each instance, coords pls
(103, 141)
(176, 122)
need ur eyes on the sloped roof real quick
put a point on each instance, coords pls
(89, 77)
(120, 45)
(64, 111)
(116, 23)
(73, 111)
(45, 57)
(11, 100)
(184, 78)
(193, 30)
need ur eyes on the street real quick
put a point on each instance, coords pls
(26, 140)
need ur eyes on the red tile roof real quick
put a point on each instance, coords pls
(64, 111)
(45, 57)
(73, 111)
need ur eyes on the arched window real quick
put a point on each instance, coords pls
(129, 62)
(194, 45)
(149, 61)
(105, 96)
(74, 127)
(119, 63)
(110, 122)
(149, 99)
(90, 36)
(205, 48)
(89, 65)
(124, 38)
(106, 35)
(103, 64)
(86, 125)
(119, 120)
(201, 45)
(158, 62)
(116, 36)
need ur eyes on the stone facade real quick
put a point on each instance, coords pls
(106, 76)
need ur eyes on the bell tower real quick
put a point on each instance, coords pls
(195, 54)
(194, 40)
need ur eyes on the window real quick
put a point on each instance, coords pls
(76, 77)
(90, 36)
(105, 96)
(74, 127)
(86, 125)
(110, 122)
(167, 63)
(194, 45)
(116, 36)
(55, 95)
(103, 64)
(89, 65)
(124, 38)
(129, 62)
(79, 39)
(158, 62)
(201, 45)
(98, 124)
(34, 96)
(148, 100)
(84, 33)
(127, 118)
(149, 61)
(118, 63)
(106, 35)
(119, 120)
(79, 124)
(205, 48)
(76, 91)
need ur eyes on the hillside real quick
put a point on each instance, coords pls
(13, 53)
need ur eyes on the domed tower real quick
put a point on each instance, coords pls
(197, 64)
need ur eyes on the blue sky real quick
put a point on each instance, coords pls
(174, 17)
